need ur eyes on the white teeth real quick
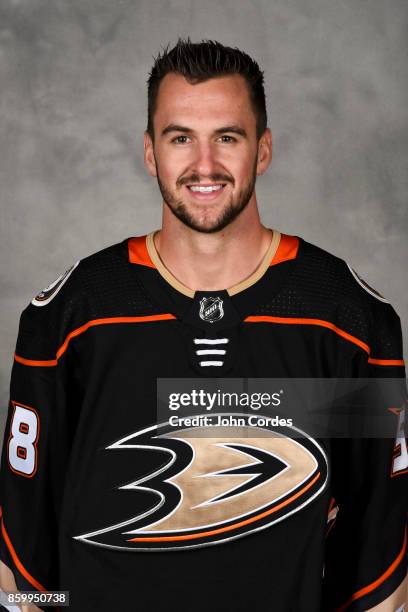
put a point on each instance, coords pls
(205, 189)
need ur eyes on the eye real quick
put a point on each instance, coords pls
(230, 138)
(178, 141)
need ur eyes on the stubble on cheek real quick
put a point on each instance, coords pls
(230, 211)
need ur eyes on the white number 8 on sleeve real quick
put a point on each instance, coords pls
(400, 460)
(22, 443)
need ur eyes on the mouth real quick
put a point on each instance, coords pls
(206, 192)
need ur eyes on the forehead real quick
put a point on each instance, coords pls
(223, 98)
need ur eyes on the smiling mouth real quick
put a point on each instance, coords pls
(206, 188)
(206, 192)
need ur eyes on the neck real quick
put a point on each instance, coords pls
(216, 261)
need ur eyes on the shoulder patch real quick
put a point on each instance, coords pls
(367, 287)
(46, 295)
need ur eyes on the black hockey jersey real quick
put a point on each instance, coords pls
(99, 497)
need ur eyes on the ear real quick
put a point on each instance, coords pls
(149, 159)
(264, 152)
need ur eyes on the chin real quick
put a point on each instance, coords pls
(201, 223)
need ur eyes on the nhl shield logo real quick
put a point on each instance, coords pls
(211, 309)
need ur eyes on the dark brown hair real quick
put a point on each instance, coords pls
(207, 59)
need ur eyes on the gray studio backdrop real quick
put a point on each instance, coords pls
(73, 110)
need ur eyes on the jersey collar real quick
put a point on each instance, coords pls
(142, 251)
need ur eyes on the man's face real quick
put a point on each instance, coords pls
(205, 153)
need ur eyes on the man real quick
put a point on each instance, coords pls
(100, 496)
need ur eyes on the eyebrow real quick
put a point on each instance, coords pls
(235, 129)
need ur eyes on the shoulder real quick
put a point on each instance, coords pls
(339, 278)
(340, 293)
(71, 281)
(69, 300)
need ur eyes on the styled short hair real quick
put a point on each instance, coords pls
(198, 62)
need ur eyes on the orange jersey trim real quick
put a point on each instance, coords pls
(387, 362)
(193, 536)
(16, 560)
(138, 253)
(169, 316)
(328, 325)
(301, 321)
(108, 321)
(287, 249)
(86, 326)
(369, 588)
(35, 362)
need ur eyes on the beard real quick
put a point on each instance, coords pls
(230, 212)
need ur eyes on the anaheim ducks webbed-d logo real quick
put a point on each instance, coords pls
(48, 293)
(210, 490)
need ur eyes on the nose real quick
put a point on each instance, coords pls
(205, 162)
